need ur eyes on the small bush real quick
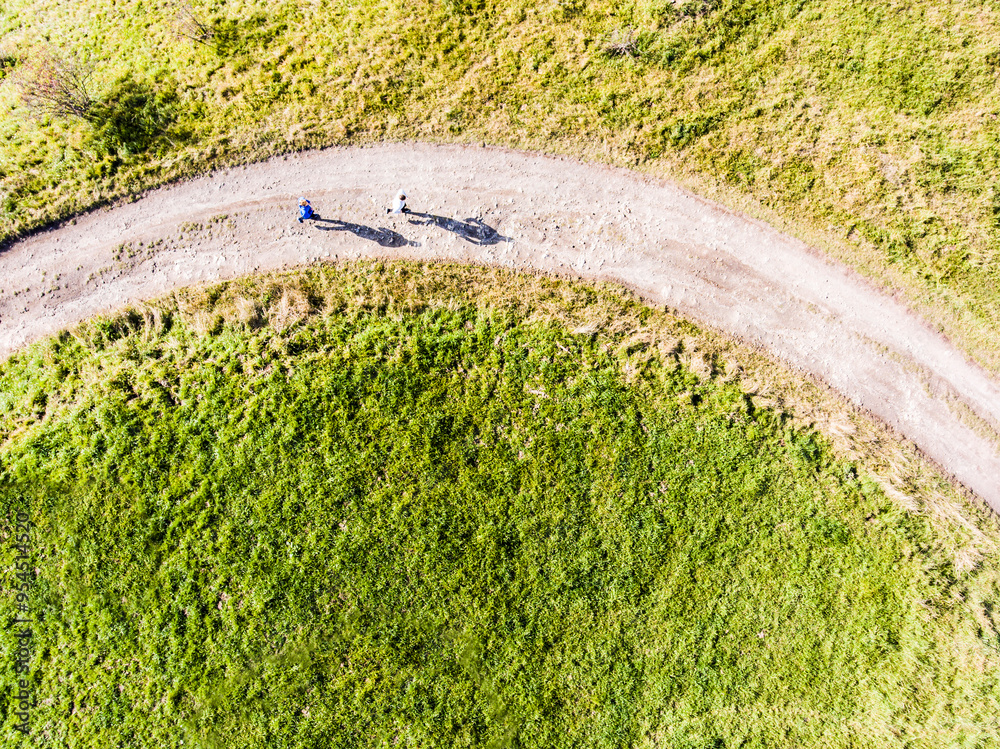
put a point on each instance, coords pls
(567, 10)
(132, 116)
(621, 43)
(233, 37)
(243, 37)
(7, 63)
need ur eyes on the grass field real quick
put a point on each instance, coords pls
(383, 505)
(423, 506)
(867, 128)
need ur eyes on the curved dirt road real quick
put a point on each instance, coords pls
(534, 213)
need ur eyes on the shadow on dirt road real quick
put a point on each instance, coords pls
(383, 237)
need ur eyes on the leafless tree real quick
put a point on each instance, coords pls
(50, 83)
(189, 23)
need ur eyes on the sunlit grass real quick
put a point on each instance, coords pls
(401, 504)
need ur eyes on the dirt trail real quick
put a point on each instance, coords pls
(493, 206)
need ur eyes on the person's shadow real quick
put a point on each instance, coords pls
(473, 230)
(383, 237)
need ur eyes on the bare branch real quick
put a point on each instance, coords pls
(52, 84)
(190, 24)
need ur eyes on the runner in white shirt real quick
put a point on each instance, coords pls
(399, 205)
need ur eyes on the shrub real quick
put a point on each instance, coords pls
(621, 43)
(7, 63)
(132, 116)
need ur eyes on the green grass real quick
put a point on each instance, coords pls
(869, 128)
(426, 506)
